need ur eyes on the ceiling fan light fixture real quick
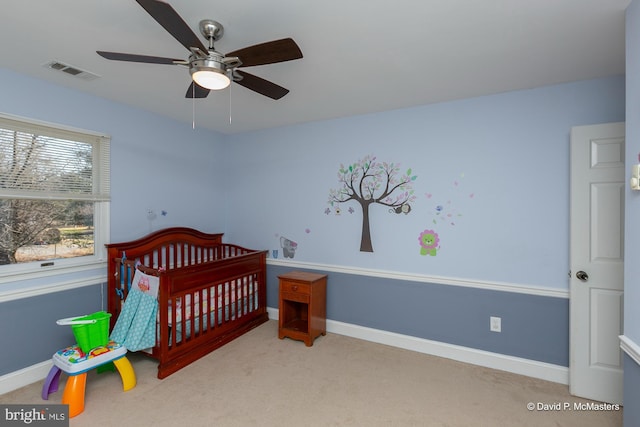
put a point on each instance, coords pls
(211, 79)
(209, 74)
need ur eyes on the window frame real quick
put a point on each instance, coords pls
(101, 201)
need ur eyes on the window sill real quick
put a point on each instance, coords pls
(55, 279)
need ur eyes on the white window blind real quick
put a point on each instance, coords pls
(54, 200)
(62, 163)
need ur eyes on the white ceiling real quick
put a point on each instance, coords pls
(360, 56)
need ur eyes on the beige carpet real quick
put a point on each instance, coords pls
(259, 380)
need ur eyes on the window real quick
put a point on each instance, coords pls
(54, 196)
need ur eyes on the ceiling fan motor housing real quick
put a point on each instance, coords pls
(212, 62)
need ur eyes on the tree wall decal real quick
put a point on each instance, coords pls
(370, 182)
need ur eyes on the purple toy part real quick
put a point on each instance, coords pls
(51, 382)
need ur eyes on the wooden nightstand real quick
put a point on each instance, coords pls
(303, 306)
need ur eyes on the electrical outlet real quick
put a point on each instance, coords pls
(495, 324)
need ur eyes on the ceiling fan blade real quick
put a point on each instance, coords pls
(116, 56)
(268, 53)
(260, 85)
(172, 22)
(196, 91)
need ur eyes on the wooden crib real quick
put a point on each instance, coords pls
(210, 292)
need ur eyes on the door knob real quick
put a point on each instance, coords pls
(581, 275)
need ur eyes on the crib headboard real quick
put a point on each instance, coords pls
(177, 239)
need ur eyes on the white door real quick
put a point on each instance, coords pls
(597, 241)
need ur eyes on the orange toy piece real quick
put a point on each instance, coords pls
(74, 394)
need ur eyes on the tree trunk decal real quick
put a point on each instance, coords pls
(369, 182)
(365, 239)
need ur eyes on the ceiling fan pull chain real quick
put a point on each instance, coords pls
(193, 106)
(230, 101)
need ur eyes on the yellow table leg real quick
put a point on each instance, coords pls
(126, 373)
(74, 394)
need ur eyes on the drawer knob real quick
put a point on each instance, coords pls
(294, 287)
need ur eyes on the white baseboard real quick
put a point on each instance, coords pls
(516, 365)
(29, 375)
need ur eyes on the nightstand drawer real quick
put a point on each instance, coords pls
(295, 288)
(295, 296)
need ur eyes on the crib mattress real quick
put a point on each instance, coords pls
(227, 296)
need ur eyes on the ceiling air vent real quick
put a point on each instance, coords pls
(71, 70)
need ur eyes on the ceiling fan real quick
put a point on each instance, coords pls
(209, 69)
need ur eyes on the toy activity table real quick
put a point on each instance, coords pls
(76, 363)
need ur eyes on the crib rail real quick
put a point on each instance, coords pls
(210, 292)
(168, 257)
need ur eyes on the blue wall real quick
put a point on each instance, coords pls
(156, 164)
(632, 210)
(499, 164)
(534, 327)
(631, 416)
(30, 325)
